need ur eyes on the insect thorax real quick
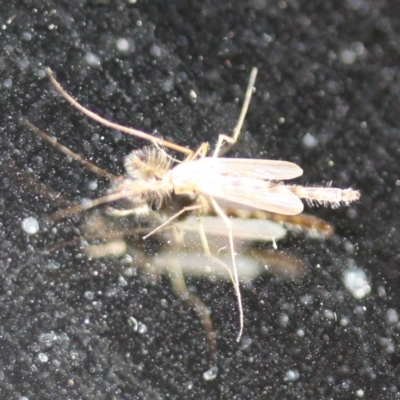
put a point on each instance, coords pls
(147, 164)
(144, 178)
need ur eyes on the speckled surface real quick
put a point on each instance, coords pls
(327, 71)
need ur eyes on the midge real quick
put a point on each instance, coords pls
(208, 182)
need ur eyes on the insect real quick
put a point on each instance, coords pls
(204, 183)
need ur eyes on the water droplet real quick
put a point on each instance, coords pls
(211, 374)
(43, 357)
(30, 225)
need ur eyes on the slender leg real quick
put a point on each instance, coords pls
(235, 277)
(185, 209)
(231, 140)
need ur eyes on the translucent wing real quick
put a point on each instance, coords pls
(252, 168)
(245, 229)
(253, 193)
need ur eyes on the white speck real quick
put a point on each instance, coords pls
(306, 299)
(129, 272)
(47, 337)
(344, 322)
(7, 83)
(189, 385)
(392, 316)
(310, 141)
(92, 59)
(388, 344)
(89, 295)
(329, 314)
(193, 95)
(27, 36)
(348, 56)
(168, 84)
(92, 185)
(283, 319)
(30, 225)
(211, 374)
(133, 323)
(356, 282)
(155, 50)
(43, 357)
(291, 376)
(122, 281)
(123, 45)
(349, 247)
(22, 62)
(360, 393)
(53, 265)
(300, 332)
(142, 328)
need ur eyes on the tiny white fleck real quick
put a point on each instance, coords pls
(344, 322)
(356, 282)
(43, 357)
(310, 141)
(360, 393)
(92, 185)
(155, 50)
(92, 59)
(133, 322)
(89, 295)
(300, 332)
(291, 376)
(329, 314)
(27, 36)
(392, 316)
(123, 45)
(142, 328)
(193, 94)
(122, 281)
(348, 56)
(210, 374)
(48, 337)
(283, 319)
(30, 225)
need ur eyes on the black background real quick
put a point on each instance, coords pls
(305, 85)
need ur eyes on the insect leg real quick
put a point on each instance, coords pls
(185, 209)
(179, 286)
(231, 140)
(235, 277)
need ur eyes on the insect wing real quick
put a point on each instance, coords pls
(245, 229)
(252, 168)
(253, 193)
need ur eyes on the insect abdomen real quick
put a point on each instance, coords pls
(326, 195)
